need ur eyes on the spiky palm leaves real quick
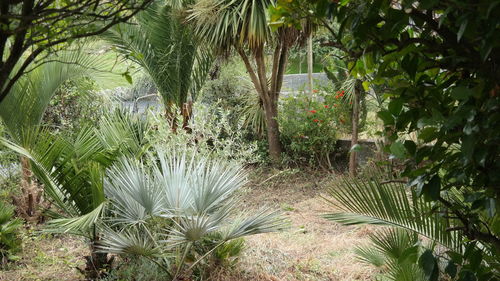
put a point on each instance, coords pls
(173, 204)
(22, 111)
(390, 203)
(396, 252)
(10, 242)
(72, 172)
(165, 48)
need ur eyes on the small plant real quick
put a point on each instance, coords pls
(311, 124)
(10, 241)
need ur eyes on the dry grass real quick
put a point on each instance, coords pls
(48, 258)
(311, 249)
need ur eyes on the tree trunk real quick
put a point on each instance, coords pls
(28, 203)
(273, 135)
(269, 95)
(187, 110)
(353, 161)
(310, 63)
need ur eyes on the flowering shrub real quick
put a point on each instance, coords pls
(311, 124)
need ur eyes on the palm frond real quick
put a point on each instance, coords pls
(164, 47)
(129, 241)
(228, 23)
(80, 225)
(370, 201)
(22, 110)
(191, 198)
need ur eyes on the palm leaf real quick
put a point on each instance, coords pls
(165, 48)
(370, 201)
(23, 108)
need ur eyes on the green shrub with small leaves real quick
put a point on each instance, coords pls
(311, 124)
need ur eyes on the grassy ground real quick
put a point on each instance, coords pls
(311, 249)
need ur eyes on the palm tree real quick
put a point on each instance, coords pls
(72, 171)
(166, 49)
(170, 203)
(22, 111)
(242, 26)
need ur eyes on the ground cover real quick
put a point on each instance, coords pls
(311, 249)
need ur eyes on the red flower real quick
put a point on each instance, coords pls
(312, 111)
(316, 120)
(315, 91)
(326, 106)
(342, 94)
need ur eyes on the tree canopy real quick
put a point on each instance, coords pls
(33, 29)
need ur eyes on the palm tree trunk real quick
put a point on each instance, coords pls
(187, 110)
(353, 161)
(28, 202)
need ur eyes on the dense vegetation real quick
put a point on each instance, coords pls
(159, 189)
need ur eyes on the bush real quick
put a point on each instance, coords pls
(311, 124)
(213, 131)
(234, 93)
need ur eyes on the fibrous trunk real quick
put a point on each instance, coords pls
(29, 203)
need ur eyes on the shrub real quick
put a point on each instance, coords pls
(213, 131)
(311, 124)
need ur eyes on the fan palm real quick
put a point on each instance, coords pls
(172, 204)
(242, 26)
(22, 110)
(165, 48)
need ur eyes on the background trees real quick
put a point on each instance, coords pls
(242, 27)
(33, 29)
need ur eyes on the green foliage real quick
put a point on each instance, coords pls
(310, 125)
(397, 254)
(10, 240)
(165, 206)
(441, 65)
(75, 105)
(140, 268)
(23, 109)
(389, 203)
(232, 92)
(166, 50)
(32, 30)
(72, 167)
(214, 132)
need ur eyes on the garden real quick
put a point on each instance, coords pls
(250, 140)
